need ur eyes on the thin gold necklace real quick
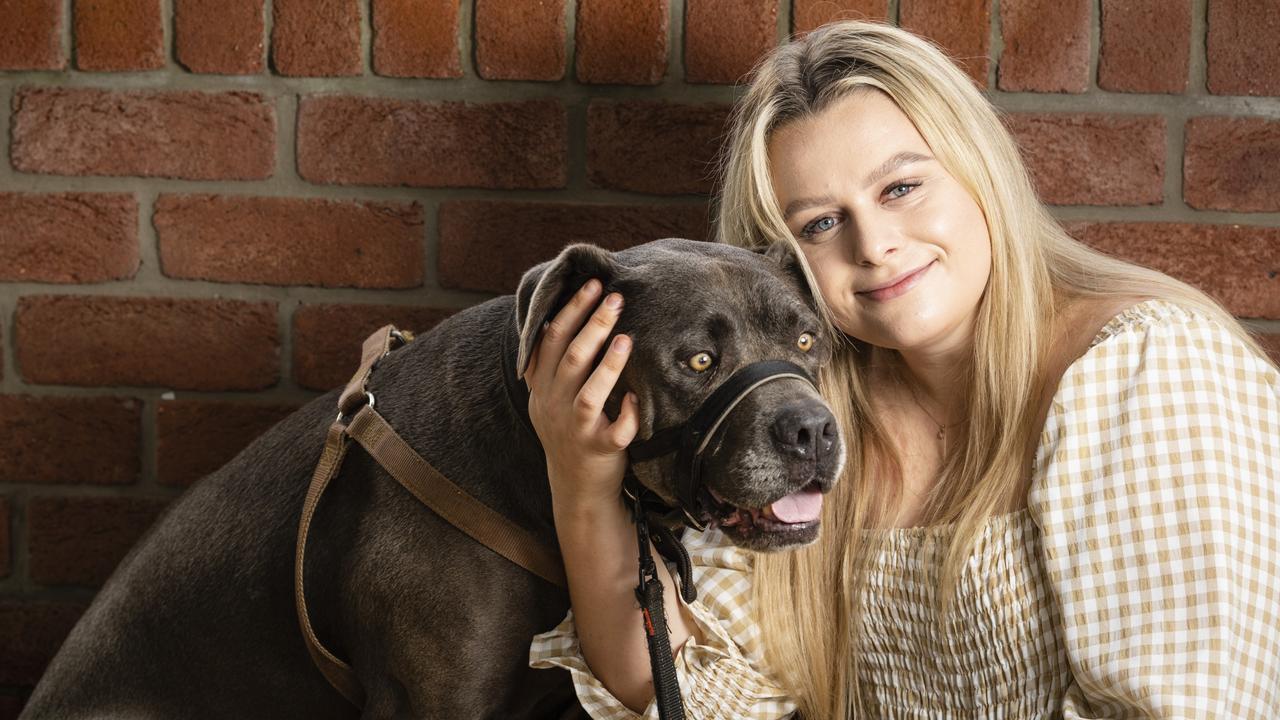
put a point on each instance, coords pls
(942, 429)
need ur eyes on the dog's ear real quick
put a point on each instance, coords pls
(546, 288)
(784, 255)
(781, 252)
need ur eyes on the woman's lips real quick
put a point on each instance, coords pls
(900, 286)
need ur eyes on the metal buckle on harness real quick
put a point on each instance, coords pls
(368, 397)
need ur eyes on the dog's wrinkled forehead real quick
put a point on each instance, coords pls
(725, 292)
(671, 287)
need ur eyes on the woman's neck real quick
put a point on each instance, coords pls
(939, 381)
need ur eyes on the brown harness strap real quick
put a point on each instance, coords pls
(482, 523)
(424, 482)
(337, 672)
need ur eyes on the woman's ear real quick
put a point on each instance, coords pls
(545, 288)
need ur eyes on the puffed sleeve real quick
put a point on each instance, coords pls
(1159, 510)
(719, 678)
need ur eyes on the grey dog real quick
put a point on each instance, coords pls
(199, 621)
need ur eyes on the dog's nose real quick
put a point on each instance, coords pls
(805, 431)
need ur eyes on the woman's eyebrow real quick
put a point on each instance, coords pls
(796, 206)
(905, 157)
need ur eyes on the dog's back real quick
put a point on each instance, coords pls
(199, 620)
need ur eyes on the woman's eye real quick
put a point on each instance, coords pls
(898, 190)
(701, 362)
(820, 225)
(805, 341)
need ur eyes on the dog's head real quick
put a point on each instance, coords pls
(697, 312)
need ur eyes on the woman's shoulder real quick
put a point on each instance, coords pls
(1102, 326)
(1156, 342)
(1135, 315)
(1099, 346)
(1156, 378)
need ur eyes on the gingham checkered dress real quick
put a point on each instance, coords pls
(1142, 580)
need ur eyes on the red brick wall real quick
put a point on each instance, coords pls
(202, 214)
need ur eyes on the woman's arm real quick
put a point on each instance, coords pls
(586, 458)
(1159, 511)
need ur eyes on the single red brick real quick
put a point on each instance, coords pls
(57, 440)
(1242, 52)
(290, 241)
(219, 36)
(68, 237)
(654, 146)
(180, 134)
(196, 437)
(723, 39)
(1234, 263)
(1046, 45)
(808, 15)
(1146, 45)
(487, 245)
(31, 36)
(186, 344)
(416, 38)
(119, 34)
(31, 631)
(347, 140)
(316, 38)
(520, 40)
(621, 42)
(1232, 163)
(1092, 159)
(962, 28)
(6, 541)
(327, 338)
(79, 541)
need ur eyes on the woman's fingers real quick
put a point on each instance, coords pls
(589, 402)
(576, 363)
(561, 331)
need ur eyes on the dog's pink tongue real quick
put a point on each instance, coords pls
(801, 506)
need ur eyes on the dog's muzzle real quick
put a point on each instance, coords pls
(692, 438)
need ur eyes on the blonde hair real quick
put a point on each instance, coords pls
(808, 601)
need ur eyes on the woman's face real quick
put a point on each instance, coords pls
(899, 249)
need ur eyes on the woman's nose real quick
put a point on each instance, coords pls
(873, 242)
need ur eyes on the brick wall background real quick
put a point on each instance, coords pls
(206, 204)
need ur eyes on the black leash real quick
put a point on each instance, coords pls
(666, 688)
(649, 592)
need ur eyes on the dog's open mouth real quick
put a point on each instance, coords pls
(795, 513)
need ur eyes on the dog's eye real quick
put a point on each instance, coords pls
(805, 342)
(701, 362)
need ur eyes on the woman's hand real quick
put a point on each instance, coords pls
(586, 452)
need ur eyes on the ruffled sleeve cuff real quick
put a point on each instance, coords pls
(716, 680)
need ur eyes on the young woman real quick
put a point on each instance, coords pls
(1063, 489)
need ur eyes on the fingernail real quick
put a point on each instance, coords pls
(591, 287)
(622, 343)
(614, 301)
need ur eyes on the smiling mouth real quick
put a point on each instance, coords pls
(900, 287)
(797, 512)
